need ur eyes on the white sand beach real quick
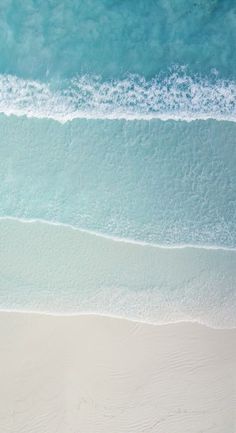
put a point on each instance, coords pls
(93, 374)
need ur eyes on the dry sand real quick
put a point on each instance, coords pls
(91, 374)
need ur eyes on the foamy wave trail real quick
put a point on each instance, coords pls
(176, 96)
(166, 183)
(55, 269)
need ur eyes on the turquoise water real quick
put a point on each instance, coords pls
(111, 38)
(119, 120)
(107, 58)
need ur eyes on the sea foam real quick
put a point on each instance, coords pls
(176, 96)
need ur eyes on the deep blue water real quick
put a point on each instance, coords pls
(41, 39)
(165, 58)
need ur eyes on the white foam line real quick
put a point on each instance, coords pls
(112, 316)
(116, 238)
(178, 97)
(83, 115)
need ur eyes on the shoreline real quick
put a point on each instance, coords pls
(110, 316)
(63, 271)
(118, 239)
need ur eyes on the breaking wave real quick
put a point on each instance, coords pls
(178, 96)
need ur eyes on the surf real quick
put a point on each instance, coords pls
(177, 96)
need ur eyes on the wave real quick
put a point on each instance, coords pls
(178, 97)
(116, 238)
(54, 269)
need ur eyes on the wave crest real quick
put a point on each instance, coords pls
(177, 96)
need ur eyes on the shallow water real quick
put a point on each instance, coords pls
(168, 183)
(56, 269)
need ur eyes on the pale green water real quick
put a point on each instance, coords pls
(170, 183)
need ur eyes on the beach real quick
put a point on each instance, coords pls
(117, 216)
(95, 374)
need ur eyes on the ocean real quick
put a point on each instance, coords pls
(117, 158)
